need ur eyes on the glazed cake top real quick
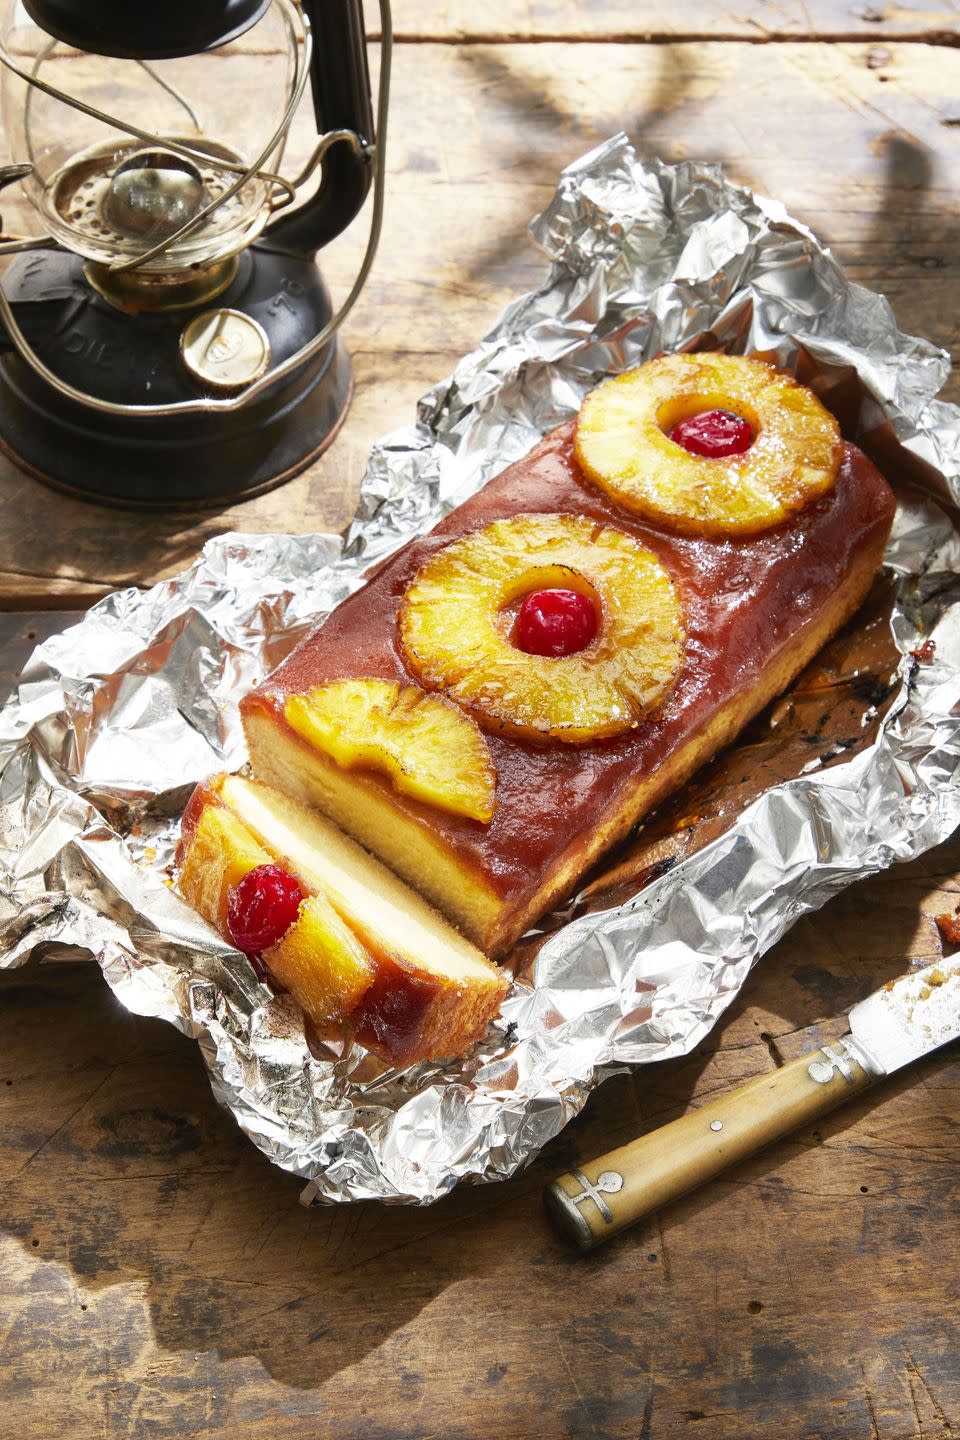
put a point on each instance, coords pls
(742, 598)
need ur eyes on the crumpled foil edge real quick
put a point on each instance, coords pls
(116, 718)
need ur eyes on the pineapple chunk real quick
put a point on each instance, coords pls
(455, 627)
(623, 444)
(221, 851)
(321, 962)
(427, 747)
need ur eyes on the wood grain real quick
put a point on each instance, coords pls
(158, 1278)
(20, 632)
(766, 22)
(479, 136)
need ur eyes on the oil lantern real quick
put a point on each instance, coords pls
(168, 339)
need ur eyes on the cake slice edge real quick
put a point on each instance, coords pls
(365, 948)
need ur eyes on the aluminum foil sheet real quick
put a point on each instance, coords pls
(116, 718)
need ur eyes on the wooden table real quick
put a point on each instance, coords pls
(159, 1277)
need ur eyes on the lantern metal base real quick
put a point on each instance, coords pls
(110, 482)
(165, 462)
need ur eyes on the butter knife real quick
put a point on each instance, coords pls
(901, 1022)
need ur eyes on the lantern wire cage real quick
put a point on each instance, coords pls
(282, 193)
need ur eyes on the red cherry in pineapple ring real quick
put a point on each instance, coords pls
(262, 907)
(714, 434)
(555, 622)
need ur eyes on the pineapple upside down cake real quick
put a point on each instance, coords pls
(511, 693)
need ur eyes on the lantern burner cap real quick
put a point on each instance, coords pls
(152, 194)
(111, 201)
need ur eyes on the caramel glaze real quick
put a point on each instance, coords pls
(391, 1015)
(203, 795)
(743, 600)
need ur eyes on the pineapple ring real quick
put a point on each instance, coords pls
(623, 444)
(425, 746)
(455, 626)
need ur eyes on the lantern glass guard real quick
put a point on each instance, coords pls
(76, 179)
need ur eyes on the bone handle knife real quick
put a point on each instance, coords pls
(592, 1204)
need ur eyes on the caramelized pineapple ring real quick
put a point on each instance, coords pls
(623, 444)
(426, 746)
(455, 628)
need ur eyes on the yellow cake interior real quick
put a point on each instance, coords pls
(364, 809)
(387, 916)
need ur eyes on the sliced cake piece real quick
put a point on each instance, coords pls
(361, 946)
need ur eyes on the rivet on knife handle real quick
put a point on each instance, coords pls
(606, 1195)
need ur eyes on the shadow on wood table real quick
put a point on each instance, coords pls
(163, 1269)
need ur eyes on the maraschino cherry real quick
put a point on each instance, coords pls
(262, 907)
(714, 434)
(555, 622)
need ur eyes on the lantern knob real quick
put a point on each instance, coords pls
(145, 32)
(152, 193)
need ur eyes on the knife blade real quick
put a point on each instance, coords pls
(909, 1017)
(904, 1020)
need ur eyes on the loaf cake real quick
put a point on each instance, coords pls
(511, 693)
(742, 576)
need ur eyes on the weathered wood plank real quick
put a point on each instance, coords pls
(20, 632)
(24, 592)
(159, 1279)
(765, 22)
(479, 135)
